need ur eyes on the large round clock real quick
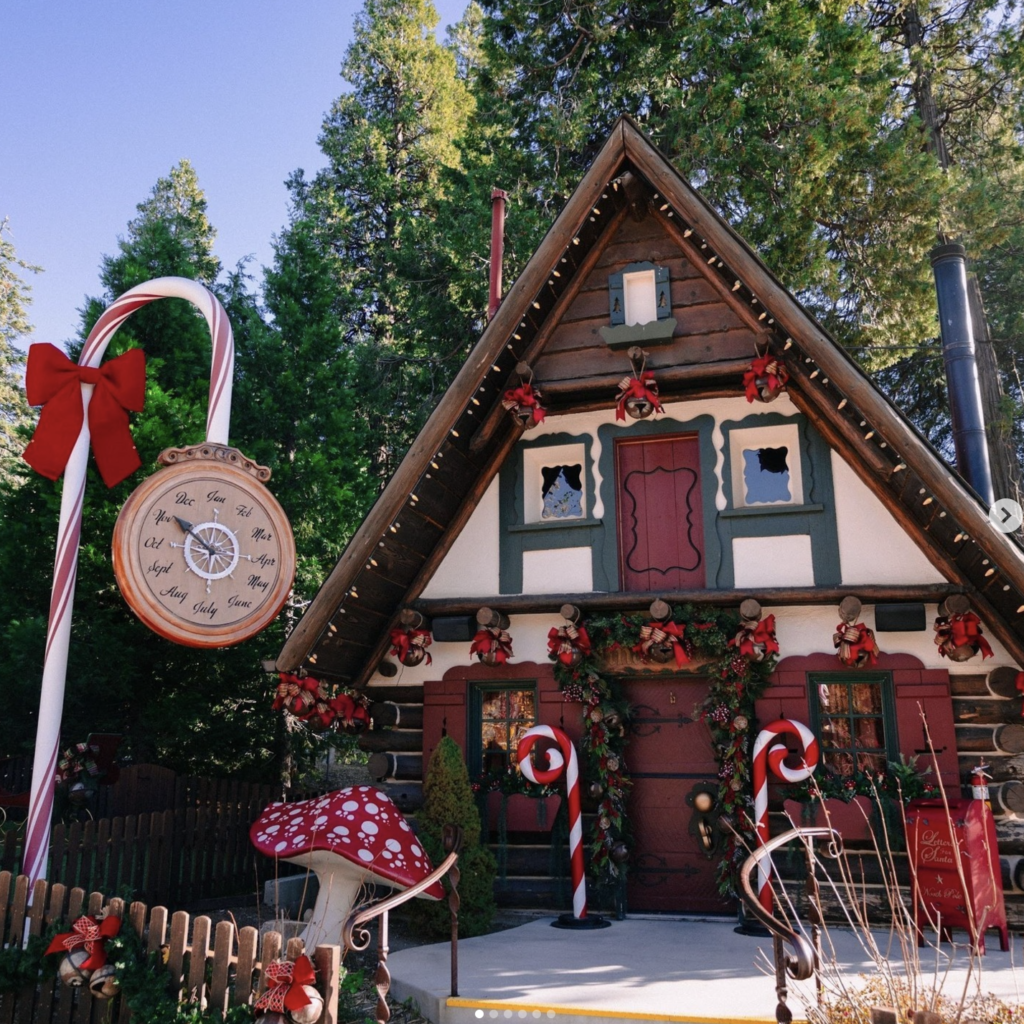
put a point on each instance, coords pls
(203, 553)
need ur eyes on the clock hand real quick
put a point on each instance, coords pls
(187, 527)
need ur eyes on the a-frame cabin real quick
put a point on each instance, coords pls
(826, 493)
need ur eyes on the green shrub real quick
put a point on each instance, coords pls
(448, 799)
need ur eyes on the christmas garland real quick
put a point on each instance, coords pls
(738, 673)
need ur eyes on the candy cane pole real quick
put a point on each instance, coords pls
(771, 756)
(65, 569)
(562, 756)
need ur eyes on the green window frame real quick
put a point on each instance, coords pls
(492, 714)
(860, 704)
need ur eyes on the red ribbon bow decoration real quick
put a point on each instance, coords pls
(91, 933)
(295, 695)
(644, 386)
(525, 397)
(1019, 681)
(855, 644)
(349, 711)
(568, 644)
(657, 634)
(755, 642)
(409, 646)
(284, 985)
(766, 373)
(954, 632)
(492, 645)
(54, 382)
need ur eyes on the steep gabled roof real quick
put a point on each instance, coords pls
(390, 559)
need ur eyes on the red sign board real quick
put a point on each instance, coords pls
(955, 870)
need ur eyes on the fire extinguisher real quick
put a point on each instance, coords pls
(979, 783)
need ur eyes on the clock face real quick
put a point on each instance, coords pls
(204, 554)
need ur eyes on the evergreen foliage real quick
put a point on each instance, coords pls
(448, 800)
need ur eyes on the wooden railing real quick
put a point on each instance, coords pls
(225, 972)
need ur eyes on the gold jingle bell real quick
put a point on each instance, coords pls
(638, 408)
(78, 795)
(763, 384)
(596, 790)
(619, 852)
(311, 1012)
(490, 658)
(70, 971)
(103, 983)
(414, 656)
(962, 653)
(662, 653)
(524, 414)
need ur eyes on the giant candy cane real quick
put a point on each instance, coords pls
(62, 595)
(564, 755)
(769, 755)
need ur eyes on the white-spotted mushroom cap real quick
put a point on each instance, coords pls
(360, 824)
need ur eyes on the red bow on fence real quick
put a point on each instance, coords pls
(644, 386)
(405, 640)
(767, 373)
(53, 381)
(961, 630)
(756, 642)
(285, 980)
(492, 644)
(654, 634)
(524, 397)
(90, 933)
(566, 641)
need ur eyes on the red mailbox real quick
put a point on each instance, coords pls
(955, 869)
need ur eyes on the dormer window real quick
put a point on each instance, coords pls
(766, 466)
(639, 306)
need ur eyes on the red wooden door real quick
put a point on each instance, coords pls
(661, 526)
(669, 752)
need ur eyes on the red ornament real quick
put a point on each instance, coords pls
(756, 641)
(54, 382)
(959, 637)
(855, 644)
(638, 396)
(312, 702)
(568, 644)
(409, 646)
(766, 379)
(91, 933)
(492, 645)
(661, 641)
(524, 403)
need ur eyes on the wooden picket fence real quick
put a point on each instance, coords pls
(228, 973)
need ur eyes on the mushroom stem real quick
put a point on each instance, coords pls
(339, 890)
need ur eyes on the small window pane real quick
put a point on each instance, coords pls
(641, 298)
(504, 716)
(562, 492)
(867, 699)
(766, 475)
(851, 715)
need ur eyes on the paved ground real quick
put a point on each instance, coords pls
(654, 968)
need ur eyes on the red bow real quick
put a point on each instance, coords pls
(1020, 686)
(962, 630)
(658, 633)
(644, 386)
(284, 985)
(524, 397)
(757, 642)
(54, 382)
(855, 644)
(350, 711)
(404, 640)
(296, 694)
(564, 641)
(490, 640)
(90, 933)
(767, 369)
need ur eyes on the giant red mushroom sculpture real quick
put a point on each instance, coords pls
(348, 838)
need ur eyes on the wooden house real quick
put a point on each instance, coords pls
(826, 493)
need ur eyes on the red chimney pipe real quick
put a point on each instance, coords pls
(497, 248)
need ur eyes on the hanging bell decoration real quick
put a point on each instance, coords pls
(103, 983)
(71, 971)
(958, 633)
(663, 639)
(854, 641)
(756, 636)
(409, 646)
(595, 790)
(523, 402)
(638, 393)
(570, 643)
(492, 643)
(765, 380)
(312, 1011)
(291, 997)
(84, 948)
(619, 852)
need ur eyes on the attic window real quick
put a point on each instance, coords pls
(639, 306)
(562, 491)
(766, 466)
(766, 475)
(639, 298)
(554, 478)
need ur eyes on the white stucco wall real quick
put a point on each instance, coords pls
(873, 547)
(558, 571)
(773, 561)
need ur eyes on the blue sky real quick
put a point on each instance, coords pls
(102, 98)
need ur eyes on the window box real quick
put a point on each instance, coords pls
(854, 821)
(522, 813)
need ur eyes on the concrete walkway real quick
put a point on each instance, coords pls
(697, 971)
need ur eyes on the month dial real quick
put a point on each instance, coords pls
(203, 553)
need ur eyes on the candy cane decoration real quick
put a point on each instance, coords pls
(62, 595)
(562, 756)
(769, 755)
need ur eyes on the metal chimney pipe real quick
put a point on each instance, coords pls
(965, 410)
(497, 249)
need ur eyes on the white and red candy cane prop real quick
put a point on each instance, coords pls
(562, 756)
(771, 756)
(62, 595)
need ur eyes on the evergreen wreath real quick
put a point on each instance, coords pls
(737, 680)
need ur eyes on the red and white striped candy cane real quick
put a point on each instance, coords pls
(771, 756)
(562, 756)
(65, 569)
